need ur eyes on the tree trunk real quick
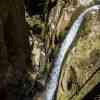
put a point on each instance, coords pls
(12, 47)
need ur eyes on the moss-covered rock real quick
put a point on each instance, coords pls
(80, 71)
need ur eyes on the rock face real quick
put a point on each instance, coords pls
(60, 16)
(81, 69)
(78, 74)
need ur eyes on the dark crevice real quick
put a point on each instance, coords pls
(94, 94)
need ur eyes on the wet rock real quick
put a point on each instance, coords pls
(84, 58)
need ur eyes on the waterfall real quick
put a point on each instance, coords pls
(54, 75)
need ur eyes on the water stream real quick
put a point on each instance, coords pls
(54, 75)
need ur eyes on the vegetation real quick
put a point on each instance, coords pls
(27, 53)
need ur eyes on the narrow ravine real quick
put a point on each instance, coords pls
(54, 75)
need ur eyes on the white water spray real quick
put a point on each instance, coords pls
(54, 75)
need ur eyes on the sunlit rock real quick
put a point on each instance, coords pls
(84, 57)
(85, 2)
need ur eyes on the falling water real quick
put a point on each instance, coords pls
(54, 76)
